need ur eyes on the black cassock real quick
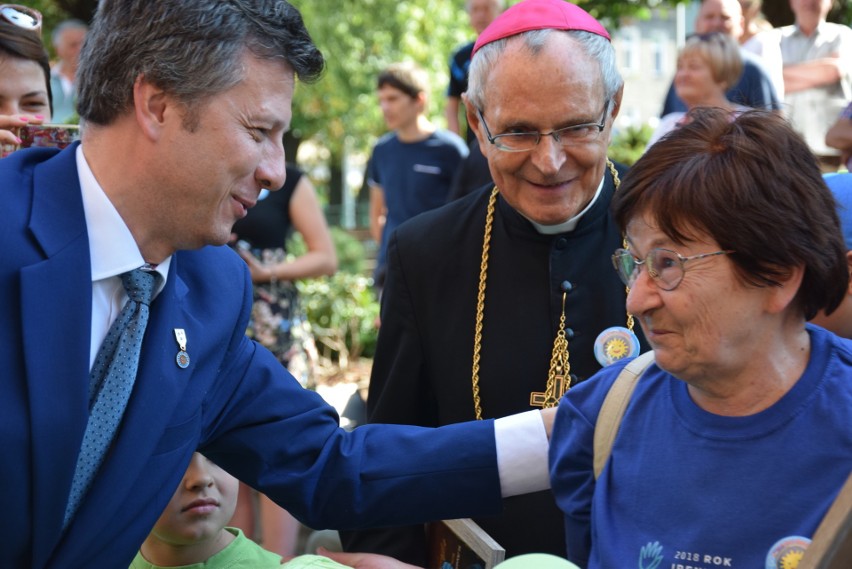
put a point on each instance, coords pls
(423, 364)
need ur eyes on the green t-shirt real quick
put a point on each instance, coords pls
(243, 553)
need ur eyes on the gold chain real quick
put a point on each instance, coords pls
(559, 361)
(559, 374)
(616, 182)
(480, 300)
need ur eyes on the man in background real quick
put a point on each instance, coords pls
(840, 321)
(68, 38)
(412, 166)
(481, 13)
(473, 171)
(839, 136)
(817, 58)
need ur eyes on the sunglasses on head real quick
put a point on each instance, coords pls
(21, 16)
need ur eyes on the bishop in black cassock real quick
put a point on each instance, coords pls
(423, 365)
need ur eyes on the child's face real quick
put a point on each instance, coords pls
(202, 505)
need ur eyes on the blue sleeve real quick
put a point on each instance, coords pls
(754, 89)
(672, 104)
(373, 177)
(571, 459)
(458, 75)
(284, 440)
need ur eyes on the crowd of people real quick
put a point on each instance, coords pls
(166, 366)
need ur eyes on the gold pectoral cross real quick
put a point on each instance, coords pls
(551, 397)
(559, 375)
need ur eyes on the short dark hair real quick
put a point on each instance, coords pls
(26, 44)
(753, 185)
(405, 76)
(192, 49)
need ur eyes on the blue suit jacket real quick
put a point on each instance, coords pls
(234, 402)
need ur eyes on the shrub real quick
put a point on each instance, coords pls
(629, 144)
(342, 311)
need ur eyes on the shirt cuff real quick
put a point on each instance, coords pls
(521, 453)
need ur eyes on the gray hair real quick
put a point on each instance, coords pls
(192, 49)
(597, 47)
(66, 25)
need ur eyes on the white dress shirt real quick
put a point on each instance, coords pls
(113, 251)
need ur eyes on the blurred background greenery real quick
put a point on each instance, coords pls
(337, 120)
(338, 117)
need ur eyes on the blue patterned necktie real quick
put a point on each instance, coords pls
(111, 382)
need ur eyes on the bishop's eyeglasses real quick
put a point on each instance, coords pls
(574, 135)
(665, 267)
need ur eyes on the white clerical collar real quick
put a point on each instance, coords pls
(112, 249)
(571, 224)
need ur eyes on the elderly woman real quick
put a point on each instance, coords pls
(736, 441)
(24, 73)
(707, 66)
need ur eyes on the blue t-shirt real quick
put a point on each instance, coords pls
(688, 488)
(459, 68)
(414, 176)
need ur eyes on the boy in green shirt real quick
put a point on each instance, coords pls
(192, 532)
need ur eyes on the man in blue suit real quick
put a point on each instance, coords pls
(185, 103)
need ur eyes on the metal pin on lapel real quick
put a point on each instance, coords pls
(182, 357)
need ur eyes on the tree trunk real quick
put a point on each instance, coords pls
(291, 147)
(779, 14)
(80, 9)
(335, 187)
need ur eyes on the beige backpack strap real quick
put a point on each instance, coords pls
(831, 547)
(614, 406)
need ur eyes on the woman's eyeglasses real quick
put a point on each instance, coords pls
(21, 16)
(665, 267)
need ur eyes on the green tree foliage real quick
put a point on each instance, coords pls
(360, 37)
(342, 310)
(629, 144)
